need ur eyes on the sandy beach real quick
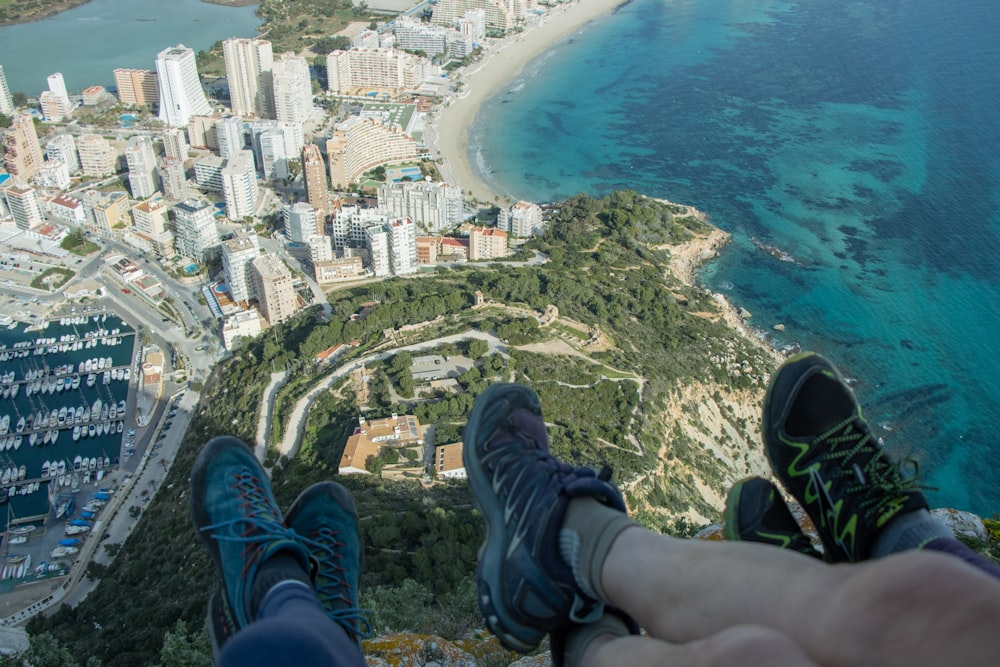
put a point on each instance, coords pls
(502, 64)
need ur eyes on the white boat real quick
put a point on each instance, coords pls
(93, 464)
(91, 380)
(77, 462)
(33, 438)
(121, 407)
(91, 430)
(76, 433)
(22, 472)
(22, 530)
(107, 462)
(61, 467)
(76, 381)
(55, 436)
(5, 477)
(20, 539)
(18, 442)
(20, 425)
(113, 411)
(120, 427)
(76, 530)
(63, 552)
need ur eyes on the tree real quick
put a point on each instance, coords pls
(5, 120)
(184, 649)
(325, 45)
(477, 348)
(20, 99)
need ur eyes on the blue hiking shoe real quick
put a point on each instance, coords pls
(220, 623)
(525, 588)
(324, 518)
(234, 513)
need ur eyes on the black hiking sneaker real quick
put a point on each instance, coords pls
(755, 512)
(234, 513)
(822, 450)
(525, 588)
(324, 518)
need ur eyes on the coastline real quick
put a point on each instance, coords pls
(45, 13)
(500, 65)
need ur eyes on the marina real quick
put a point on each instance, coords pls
(64, 412)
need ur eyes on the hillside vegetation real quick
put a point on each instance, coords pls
(658, 386)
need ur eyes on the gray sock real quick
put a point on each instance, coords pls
(911, 530)
(588, 531)
(578, 639)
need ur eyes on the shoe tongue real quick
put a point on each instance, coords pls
(821, 404)
(526, 423)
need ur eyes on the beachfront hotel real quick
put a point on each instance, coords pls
(137, 87)
(181, 95)
(500, 15)
(350, 223)
(23, 152)
(249, 62)
(359, 144)
(434, 206)
(382, 70)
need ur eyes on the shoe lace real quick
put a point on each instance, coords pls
(258, 525)
(331, 584)
(868, 473)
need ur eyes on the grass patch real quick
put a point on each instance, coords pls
(52, 279)
(76, 242)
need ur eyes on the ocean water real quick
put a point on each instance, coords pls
(853, 150)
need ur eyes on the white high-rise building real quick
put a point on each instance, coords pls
(229, 134)
(6, 100)
(237, 254)
(63, 147)
(351, 222)
(141, 160)
(181, 94)
(521, 219)
(175, 143)
(292, 89)
(379, 254)
(434, 206)
(22, 200)
(268, 143)
(402, 246)
(239, 185)
(196, 234)
(300, 222)
(53, 174)
(249, 62)
(390, 70)
(274, 288)
(57, 85)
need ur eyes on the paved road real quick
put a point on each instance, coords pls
(292, 440)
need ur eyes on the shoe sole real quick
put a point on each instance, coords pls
(489, 571)
(730, 529)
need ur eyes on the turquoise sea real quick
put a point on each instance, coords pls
(860, 140)
(53, 353)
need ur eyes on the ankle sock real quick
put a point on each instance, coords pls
(588, 531)
(280, 567)
(911, 530)
(578, 639)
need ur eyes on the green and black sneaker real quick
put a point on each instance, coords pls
(755, 512)
(822, 450)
